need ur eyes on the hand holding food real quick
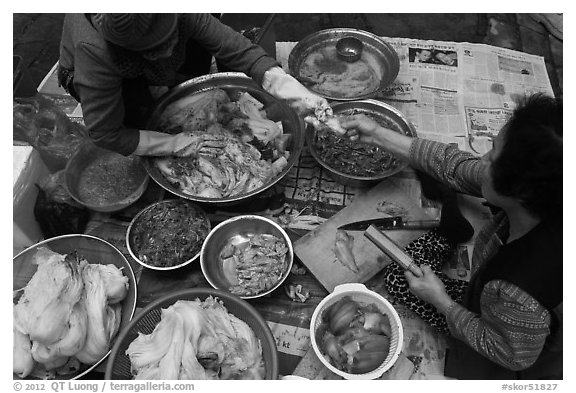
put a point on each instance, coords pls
(323, 118)
(362, 128)
(286, 87)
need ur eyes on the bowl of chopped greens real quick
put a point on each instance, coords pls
(168, 234)
(249, 256)
(355, 163)
(103, 180)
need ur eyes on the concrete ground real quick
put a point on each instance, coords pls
(36, 37)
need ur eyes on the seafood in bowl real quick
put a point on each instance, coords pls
(258, 263)
(249, 256)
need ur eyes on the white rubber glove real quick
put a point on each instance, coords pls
(286, 87)
(153, 143)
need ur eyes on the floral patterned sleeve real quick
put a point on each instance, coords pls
(512, 329)
(445, 162)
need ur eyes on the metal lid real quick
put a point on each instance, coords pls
(314, 62)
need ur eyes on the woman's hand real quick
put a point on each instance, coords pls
(154, 143)
(284, 86)
(361, 127)
(429, 288)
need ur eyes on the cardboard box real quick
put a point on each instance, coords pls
(28, 169)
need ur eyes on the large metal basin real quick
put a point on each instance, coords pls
(231, 82)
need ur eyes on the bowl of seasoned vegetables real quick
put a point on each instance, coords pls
(168, 234)
(249, 256)
(356, 333)
(354, 163)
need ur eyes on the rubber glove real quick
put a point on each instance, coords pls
(286, 87)
(153, 143)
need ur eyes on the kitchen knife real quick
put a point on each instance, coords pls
(388, 223)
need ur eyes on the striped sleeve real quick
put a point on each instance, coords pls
(512, 329)
(446, 163)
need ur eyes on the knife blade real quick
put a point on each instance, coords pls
(390, 223)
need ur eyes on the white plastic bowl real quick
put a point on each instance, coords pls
(364, 296)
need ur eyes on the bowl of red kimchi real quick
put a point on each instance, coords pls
(247, 139)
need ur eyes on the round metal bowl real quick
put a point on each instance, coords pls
(231, 82)
(95, 250)
(379, 56)
(86, 155)
(237, 230)
(138, 220)
(382, 113)
(118, 365)
(360, 294)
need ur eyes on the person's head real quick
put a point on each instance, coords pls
(152, 35)
(525, 164)
(424, 55)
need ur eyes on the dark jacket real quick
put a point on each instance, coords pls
(115, 106)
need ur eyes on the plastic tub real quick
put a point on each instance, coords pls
(363, 296)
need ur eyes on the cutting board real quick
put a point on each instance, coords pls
(316, 248)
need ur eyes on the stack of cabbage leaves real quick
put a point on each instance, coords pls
(197, 340)
(68, 314)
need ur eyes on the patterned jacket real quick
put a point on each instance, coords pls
(513, 326)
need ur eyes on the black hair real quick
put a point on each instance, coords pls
(529, 167)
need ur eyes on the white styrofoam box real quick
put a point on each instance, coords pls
(28, 169)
